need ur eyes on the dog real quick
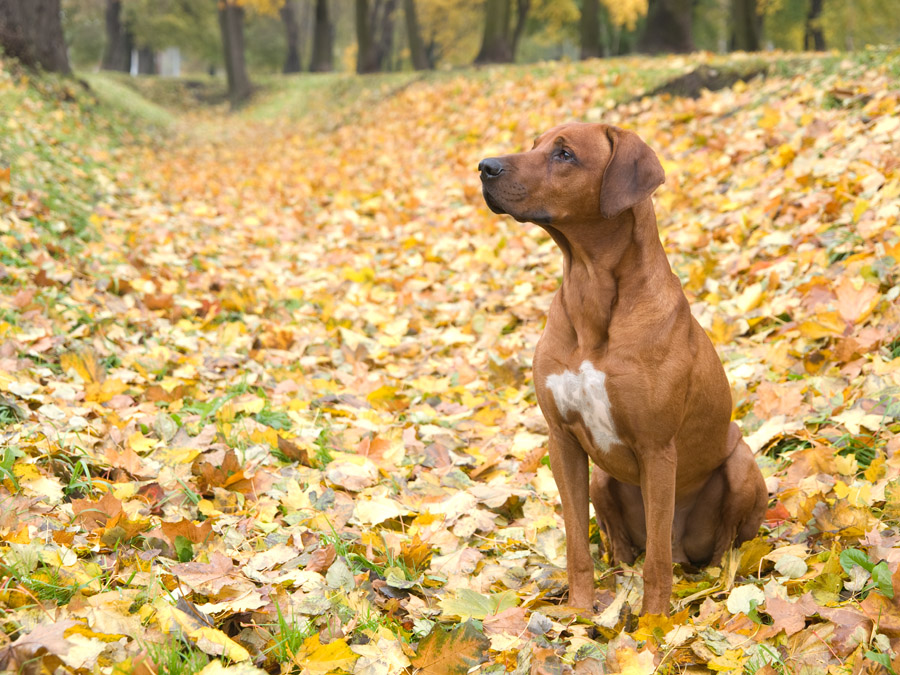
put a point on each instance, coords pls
(623, 373)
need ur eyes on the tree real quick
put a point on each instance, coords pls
(189, 25)
(31, 31)
(231, 23)
(374, 34)
(623, 15)
(668, 28)
(814, 37)
(365, 51)
(589, 25)
(417, 49)
(501, 36)
(323, 40)
(746, 26)
(117, 53)
(292, 32)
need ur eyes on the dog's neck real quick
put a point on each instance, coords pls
(608, 264)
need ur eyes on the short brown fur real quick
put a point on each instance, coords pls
(680, 459)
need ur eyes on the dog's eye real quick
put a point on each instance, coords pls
(565, 155)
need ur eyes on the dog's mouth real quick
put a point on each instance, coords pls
(539, 218)
(492, 204)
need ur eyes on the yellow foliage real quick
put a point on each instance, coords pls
(268, 7)
(448, 25)
(626, 12)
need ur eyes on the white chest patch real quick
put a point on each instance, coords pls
(585, 392)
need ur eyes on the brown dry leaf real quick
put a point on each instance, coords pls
(94, 514)
(790, 615)
(320, 559)
(451, 652)
(46, 640)
(208, 578)
(511, 620)
(195, 533)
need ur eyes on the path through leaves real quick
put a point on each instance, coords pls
(279, 413)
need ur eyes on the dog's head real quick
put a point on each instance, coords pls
(574, 173)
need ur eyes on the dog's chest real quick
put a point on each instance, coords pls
(585, 392)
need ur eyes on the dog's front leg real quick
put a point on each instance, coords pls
(569, 464)
(657, 466)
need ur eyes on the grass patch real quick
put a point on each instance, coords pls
(177, 657)
(112, 93)
(288, 636)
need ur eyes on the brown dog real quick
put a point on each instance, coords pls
(624, 374)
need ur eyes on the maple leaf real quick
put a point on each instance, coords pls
(208, 578)
(453, 651)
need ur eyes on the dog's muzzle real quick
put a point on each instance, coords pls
(490, 168)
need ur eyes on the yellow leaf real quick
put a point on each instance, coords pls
(784, 155)
(859, 208)
(140, 443)
(857, 495)
(770, 119)
(101, 393)
(267, 436)
(85, 364)
(382, 395)
(81, 629)
(650, 625)
(226, 413)
(722, 331)
(319, 658)
(825, 324)
(215, 642)
(250, 407)
(750, 298)
(876, 470)
(730, 660)
(632, 662)
(361, 276)
(846, 465)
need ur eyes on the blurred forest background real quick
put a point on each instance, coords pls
(243, 37)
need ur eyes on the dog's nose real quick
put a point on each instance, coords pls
(490, 167)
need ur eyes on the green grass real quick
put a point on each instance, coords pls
(177, 657)
(113, 94)
(67, 144)
(42, 583)
(288, 636)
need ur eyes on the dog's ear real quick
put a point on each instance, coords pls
(632, 174)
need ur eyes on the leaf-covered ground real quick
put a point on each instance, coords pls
(265, 386)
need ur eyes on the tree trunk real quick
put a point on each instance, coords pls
(668, 28)
(814, 38)
(591, 46)
(231, 23)
(522, 7)
(384, 38)
(495, 44)
(414, 37)
(323, 40)
(365, 44)
(31, 31)
(288, 13)
(746, 25)
(117, 53)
